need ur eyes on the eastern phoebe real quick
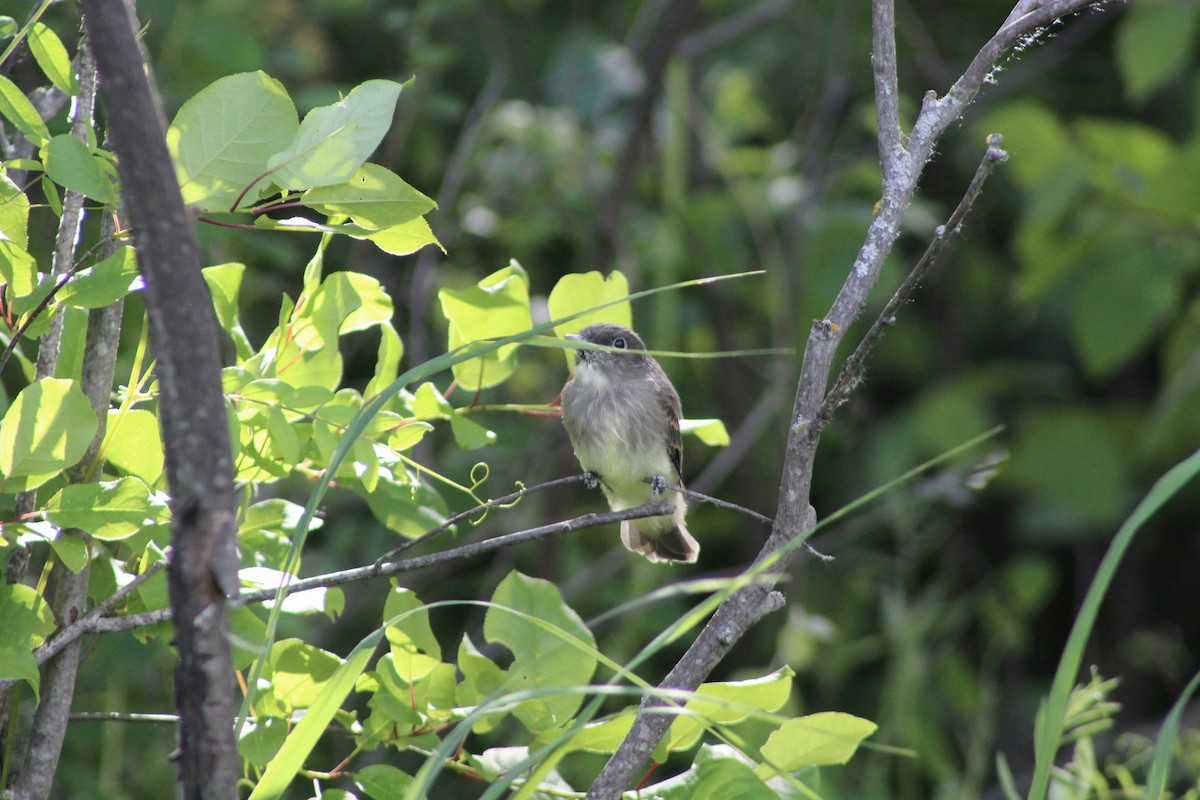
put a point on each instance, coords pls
(622, 415)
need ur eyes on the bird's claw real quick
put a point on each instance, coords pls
(658, 485)
(590, 479)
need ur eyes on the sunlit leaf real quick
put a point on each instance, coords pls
(71, 549)
(16, 108)
(45, 430)
(224, 283)
(497, 306)
(333, 141)
(408, 237)
(374, 197)
(52, 57)
(729, 703)
(579, 292)
(710, 431)
(14, 213)
(828, 737)
(104, 284)
(25, 618)
(414, 648)
(72, 164)
(223, 136)
(133, 443)
(540, 640)
(108, 510)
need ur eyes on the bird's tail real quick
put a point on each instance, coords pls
(661, 538)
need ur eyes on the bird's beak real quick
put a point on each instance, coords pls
(573, 337)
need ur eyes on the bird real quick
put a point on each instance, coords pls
(622, 414)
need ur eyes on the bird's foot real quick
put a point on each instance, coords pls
(590, 479)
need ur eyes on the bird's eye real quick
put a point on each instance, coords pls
(619, 343)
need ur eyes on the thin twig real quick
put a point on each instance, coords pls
(92, 622)
(749, 512)
(118, 716)
(852, 368)
(495, 502)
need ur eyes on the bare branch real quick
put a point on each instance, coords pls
(1026, 21)
(892, 156)
(183, 331)
(852, 368)
(795, 517)
(95, 622)
(35, 770)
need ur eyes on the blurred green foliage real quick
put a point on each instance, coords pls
(1067, 310)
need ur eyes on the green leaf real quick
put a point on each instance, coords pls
(579, 292)
(1154, 44)
(540, 638)
(828, 737)
(729, 703)
(469, 434)
(728, 779)
(133, 445)
(261, 739)
(375, 198)
(52, 57)
(382, 782)
(103, 284)
(299, 672)
(224, 283)
(333, 141)
(223, 137)
(415, 650)
(14, 213)
(16, 108)
(497, 306)
(354, 301)
(71, 549)
(72, 164)
(19, 663)
(1122, 301)
(304, 736)
(1073, 461)
(246, 632)
(405, 507)
(46, 429)
(481, 678)
(710, 431)
(409, 435)
(25, 619)
(406, 238)
(19, 271)
(387, 365)
(109, 510)
(153, 593)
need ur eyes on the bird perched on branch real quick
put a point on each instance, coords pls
(622, 415)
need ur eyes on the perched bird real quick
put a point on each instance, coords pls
(622, 415)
